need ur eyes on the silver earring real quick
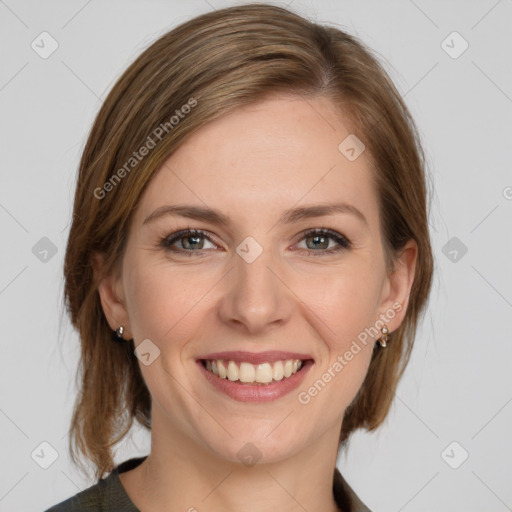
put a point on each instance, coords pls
(118, 335)
(383, 342)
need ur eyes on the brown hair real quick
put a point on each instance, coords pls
(217, 62)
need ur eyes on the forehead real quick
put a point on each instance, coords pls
(265, 158)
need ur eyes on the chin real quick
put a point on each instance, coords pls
(256, 446)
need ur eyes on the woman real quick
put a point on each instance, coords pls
(247, 265)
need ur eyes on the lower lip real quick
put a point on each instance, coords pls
(258, 392)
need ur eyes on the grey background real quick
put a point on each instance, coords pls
(458, 385)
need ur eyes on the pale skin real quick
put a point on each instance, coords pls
(252, 165)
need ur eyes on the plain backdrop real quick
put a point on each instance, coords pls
(446, 445)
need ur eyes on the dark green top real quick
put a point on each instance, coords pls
(108, 495)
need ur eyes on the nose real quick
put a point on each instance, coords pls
(256, 297)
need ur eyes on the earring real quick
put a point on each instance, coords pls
(118, 335)
(383, 342)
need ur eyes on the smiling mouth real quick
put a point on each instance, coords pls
(254, 374)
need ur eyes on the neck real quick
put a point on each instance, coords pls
(181, 475)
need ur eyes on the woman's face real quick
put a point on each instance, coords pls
(258, 282)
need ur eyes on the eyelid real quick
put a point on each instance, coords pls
(343, 243)
(182, 233)
(335, 235)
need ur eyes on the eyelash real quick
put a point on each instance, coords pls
(343, 242)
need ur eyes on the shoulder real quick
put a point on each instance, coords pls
(345, 496)
(107, 495)
(92, 499)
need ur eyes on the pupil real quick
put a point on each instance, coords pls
(196, 238)
(316, 238)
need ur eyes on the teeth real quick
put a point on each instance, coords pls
(232, 371)
(278, 372)
(222, 370)
(263, 373)
(288, 368)
(246, 373)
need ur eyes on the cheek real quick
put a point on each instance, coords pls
(167, 304)
(343, 311)
(344, 303)
(342, 307)
(157, 299)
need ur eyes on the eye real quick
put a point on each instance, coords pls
(320, 240)
(190, 241)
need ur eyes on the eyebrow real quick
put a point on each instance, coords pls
(288, 217)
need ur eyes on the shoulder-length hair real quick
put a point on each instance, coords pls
(200, 70)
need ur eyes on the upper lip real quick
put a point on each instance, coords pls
(256, 357)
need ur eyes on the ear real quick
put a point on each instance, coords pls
(397, 287)
(111, 295)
